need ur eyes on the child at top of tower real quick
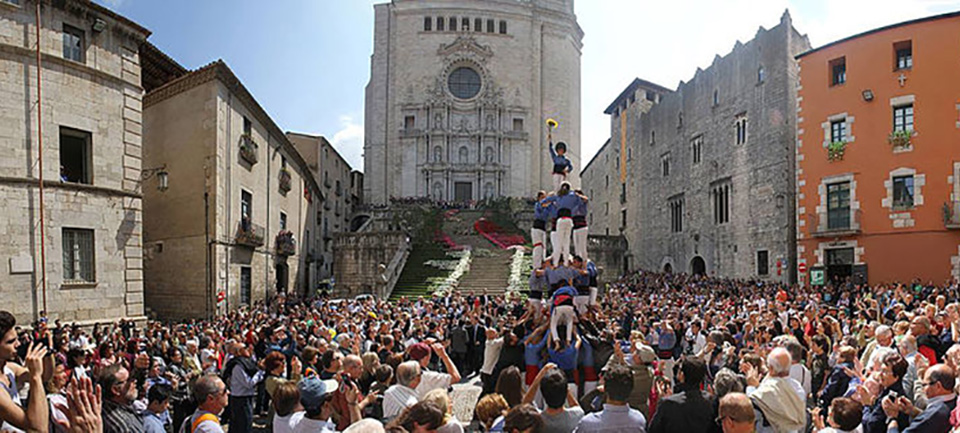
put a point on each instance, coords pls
(561, 165)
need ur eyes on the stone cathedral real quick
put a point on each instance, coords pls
(458, 95)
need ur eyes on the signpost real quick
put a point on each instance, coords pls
(816, 277)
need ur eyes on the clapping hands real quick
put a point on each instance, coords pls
(83, 408)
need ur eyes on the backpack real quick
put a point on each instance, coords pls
(196, 423)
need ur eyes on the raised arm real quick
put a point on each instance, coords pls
(535, 386)
(451, 369)
(37, 415)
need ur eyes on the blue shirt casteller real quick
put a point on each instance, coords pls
(549, 208)
(532, 350)
(559, 274)
(568, 201)
(540, 210)
(580, 209)
(560, 162)
(538, 283)
(566, 358)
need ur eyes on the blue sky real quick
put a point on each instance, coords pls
(307, 61)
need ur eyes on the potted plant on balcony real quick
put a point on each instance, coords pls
(248, 149)
(835, 150)
(285, 244)
(900, 139)
(285, 179)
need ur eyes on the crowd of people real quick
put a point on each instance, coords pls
(656, 352)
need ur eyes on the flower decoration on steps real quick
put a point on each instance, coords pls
(494, 233)
(518, 264)
(444, 285)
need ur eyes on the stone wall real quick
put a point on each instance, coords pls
(609, 254)
(99, 96)
(358, 258)
(195, 126)
(493, 142)
(754, 84)
(693, 130)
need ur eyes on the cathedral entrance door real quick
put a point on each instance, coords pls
(462, 191)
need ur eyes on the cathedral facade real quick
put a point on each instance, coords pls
(459, 93)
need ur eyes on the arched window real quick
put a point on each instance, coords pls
(438, 154)
(488, 190)
(488, 155)
(464, 155)
(437, 191)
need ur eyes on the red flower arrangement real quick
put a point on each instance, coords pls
(494, 233)
(445, 240)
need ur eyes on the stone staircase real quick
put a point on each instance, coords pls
(489, 267)
(488, 272)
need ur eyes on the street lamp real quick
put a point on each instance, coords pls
(163, 177)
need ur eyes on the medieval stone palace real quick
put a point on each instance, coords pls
(459, 91)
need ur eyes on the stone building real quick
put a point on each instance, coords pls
(338, 182)
(79, 252)
(606, 178)
(458, 95)
(707, 185)
(878, 168)
(238, 222)
(356, 198)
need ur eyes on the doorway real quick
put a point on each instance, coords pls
(246, 284)
(839, 265)
(462, 191)
(283, 277)
(668, 268)
(698, 266)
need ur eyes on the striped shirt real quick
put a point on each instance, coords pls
(118, 418)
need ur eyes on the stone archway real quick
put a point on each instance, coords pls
(698, 266)
(668, 268)
(357, 222)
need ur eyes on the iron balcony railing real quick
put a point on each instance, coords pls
(249, 234)
(838, 223)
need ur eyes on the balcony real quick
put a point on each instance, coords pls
(249, 234)
(285, 180)
(951, 215)
(249, 149)
(286, 245)
(839, 225)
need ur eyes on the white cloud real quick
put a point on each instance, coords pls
(349, 141)
(665, 42)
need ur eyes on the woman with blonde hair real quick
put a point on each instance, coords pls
(371, 361)
(442, 399)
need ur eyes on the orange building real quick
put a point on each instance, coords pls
(878, 155)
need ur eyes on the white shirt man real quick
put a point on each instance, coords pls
(780, 399)
(404, 394)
